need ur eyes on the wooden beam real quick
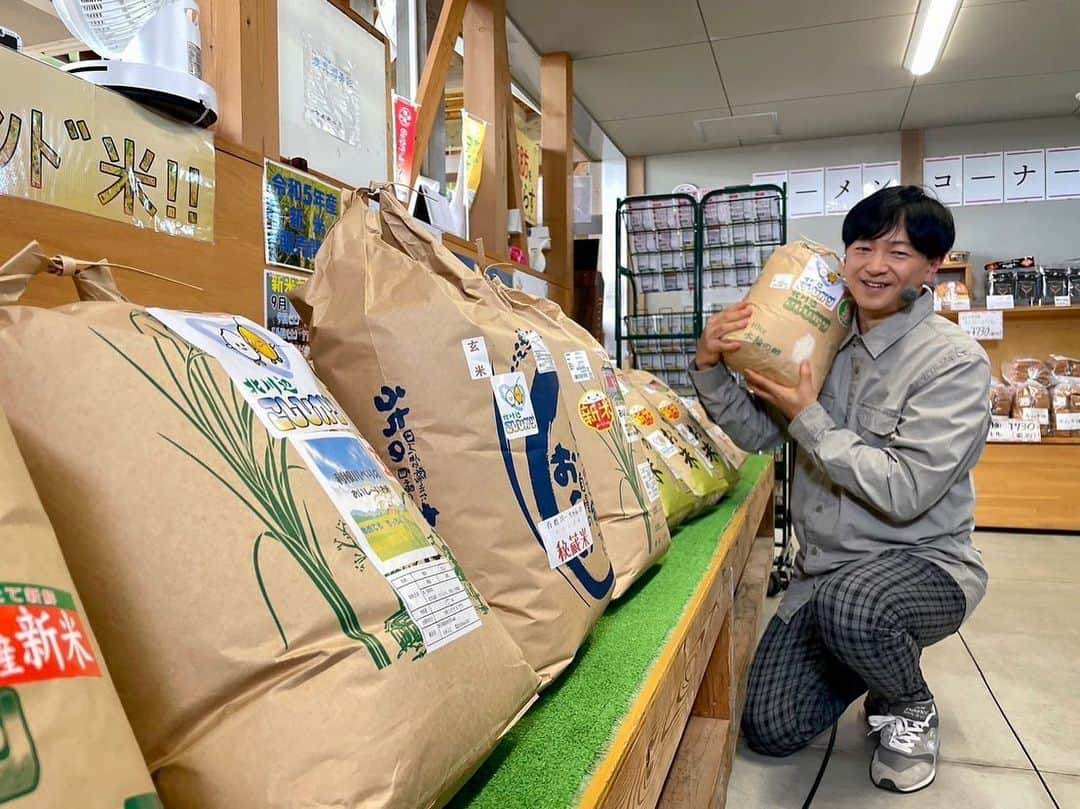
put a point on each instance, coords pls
(433, 78)
(487, 96)
(557, 167)
(912, 153)
(240, 61)
(635, 176)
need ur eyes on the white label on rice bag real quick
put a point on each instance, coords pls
(272, 375)
(628, 428)
(545, 362)
(515, 405)
(578, 362)
(648, 477)
(476, 356)
(567, 535)
(662, 444)
(1067, 421)
(376, 516)
(782, 280)
(688, 403)
(1039, 414)
(821, 282)
(688, 435)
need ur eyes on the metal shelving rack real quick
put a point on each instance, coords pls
(684, 260)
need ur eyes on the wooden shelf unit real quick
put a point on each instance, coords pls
(1031, 486)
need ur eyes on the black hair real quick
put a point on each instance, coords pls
(928, 223)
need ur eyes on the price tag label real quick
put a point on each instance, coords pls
(1000, 302)
(1014, 431)
(1062, 300)
(983, 325)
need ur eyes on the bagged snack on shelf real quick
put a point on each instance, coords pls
(1063, 366)
(677, 454)
(268, 597)
(1065, 407)
(625, 492)
(669, 405)
(952, 295)
(465, 411)
(66, 739)
(1031, 402)
(1001, 398)
(1021, 370)
(801, 311)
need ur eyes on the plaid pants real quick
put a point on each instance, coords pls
(864, 628)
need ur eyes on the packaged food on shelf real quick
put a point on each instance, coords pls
(1028, 287)
(1065, 407)
(1001, 398)
(800, 311)
(1063, 366)
(1001, 283)
(952, 295)
(67, 741)
(1023, 262)
(459, 400)
(267, 594)
(1031, 402)
(1055, 285)
(1020, 370)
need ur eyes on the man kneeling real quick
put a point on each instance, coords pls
(882, 500)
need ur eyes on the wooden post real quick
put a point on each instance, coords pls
(433, 79)
(635, 176)
(912, 153)
(487, 96)
(557, 168)
(240, 62)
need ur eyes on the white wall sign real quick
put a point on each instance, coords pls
(1025, 175)
(944, 177)
(983, 325)
(876, 176)
(982, 179)
(806, 193)
(843, 188)
(1063, 173)
(770, 178)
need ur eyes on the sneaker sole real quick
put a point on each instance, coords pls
(887, 785)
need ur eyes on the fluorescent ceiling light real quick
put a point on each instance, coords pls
(933, 24)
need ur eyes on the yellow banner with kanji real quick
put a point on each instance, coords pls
(66, 142)
(528, 152)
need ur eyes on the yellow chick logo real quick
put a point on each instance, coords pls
(519, 395)
(262, 347)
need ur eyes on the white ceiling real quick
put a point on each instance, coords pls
(647, 72)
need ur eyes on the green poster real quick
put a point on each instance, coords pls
(300, 210)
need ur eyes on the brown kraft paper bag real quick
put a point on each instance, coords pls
(801, 311)
(66, 739)
(281, 621)
(467, 420)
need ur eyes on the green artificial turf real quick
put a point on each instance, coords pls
(545, 761)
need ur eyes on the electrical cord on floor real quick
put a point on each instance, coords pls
(1001, 710)
(821, 770)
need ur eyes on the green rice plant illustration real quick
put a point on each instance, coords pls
(405, 631)
(259, 480)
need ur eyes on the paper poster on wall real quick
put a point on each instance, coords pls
(777, 178)
(806, 193)
(876, 176)
(1025, 175)
(66, 142)
(843, 188)
(1063, 173)
(299, 212)
(528, 152)
(280, 316)
(983, 179)
(944, 177)
(470, 171)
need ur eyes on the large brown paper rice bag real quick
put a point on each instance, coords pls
(262, 656)
(66, 739)
(487, 451)
(733, 453)
(801, 311)
(624, 486)
(671, 407)
(675, 452)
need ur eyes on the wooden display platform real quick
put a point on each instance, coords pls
(675, 746)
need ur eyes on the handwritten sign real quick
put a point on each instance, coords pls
(66, 142)
(1014, 431)
(528, 152)
(983, 325)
